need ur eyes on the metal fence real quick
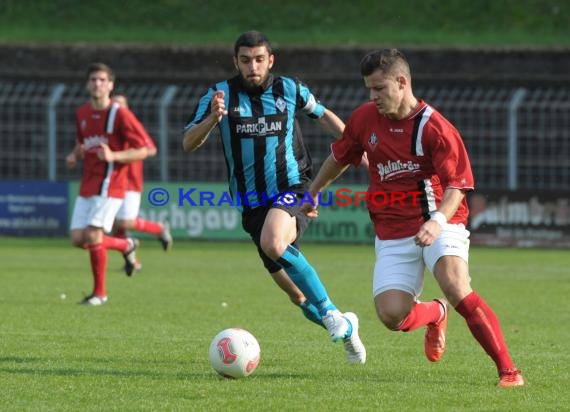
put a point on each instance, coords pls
(518, 138)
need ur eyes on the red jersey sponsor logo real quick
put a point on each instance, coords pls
(392, 169)
(94, 141)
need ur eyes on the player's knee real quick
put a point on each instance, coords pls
(77, 243)
(124, 224)
(392, 323)
(77, 240)
(273, 247)
(391, 319)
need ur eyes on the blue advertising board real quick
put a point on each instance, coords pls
(32, 208)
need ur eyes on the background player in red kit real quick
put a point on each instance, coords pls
(127, 218)
(411, 147)
(108, 137)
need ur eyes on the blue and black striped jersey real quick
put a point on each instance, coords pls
(263, 147)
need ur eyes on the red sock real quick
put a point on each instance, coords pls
(116, 243)
(420, 315)
(485, 327)
(98, 255)
(120, 233)
(148, 226)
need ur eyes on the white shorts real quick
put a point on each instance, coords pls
(130, 207)
(97, 211)
(400, 263)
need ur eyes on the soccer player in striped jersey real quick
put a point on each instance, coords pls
(269, 170)
(411, 147)
(108, 138)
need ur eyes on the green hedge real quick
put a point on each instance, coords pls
(332, 22)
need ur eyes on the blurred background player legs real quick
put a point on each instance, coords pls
(127, 219)
(91, 217)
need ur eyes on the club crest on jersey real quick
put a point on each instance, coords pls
(83, 124)
(280, 104)
(286, 199)
(372, 140)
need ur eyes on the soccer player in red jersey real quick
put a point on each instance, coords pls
(412, 147)
(108, 138)
(127, 218)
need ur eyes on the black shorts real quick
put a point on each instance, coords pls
(253, 220)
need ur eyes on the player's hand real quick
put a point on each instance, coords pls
(71, 160)
(105, 153)
(311, 209)
(151, 151)
(80, 152)
(428, 233)
(218, 105)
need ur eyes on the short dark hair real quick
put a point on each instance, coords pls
(100, 67)
(386, 60)
(252, 38)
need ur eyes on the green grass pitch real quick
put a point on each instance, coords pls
(147, 349)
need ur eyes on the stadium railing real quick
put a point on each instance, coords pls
(518, 138)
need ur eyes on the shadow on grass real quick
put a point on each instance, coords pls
(106, 372)
(39, 370)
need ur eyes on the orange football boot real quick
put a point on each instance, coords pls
(510, 377)
(434, 341)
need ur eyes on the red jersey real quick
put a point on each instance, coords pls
(120, 130)
(135, 178)
(412, 161)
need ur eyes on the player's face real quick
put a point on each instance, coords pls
(253, 64)
(386, 91)
(99, 85)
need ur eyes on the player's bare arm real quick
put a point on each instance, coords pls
(198, 134)
(328, 173)
(331, 124)
(121, 156)
(364, 161)
(431, 229)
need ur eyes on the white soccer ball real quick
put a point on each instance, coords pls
(234, 353)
